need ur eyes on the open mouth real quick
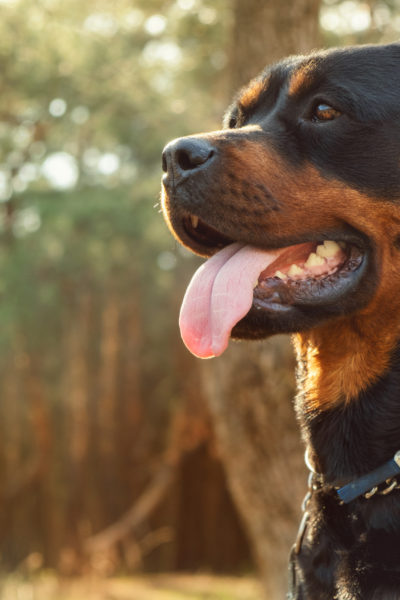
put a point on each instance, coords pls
(300, 270)
(240, 281)
(202, 236)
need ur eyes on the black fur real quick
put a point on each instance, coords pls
(352, 551)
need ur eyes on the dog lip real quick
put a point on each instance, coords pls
(201, 237)
(206, 240)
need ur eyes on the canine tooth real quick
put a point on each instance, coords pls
(314, 260)
(255, 284)
(280, 275)
(194, 220)
(329, 248)
(295, 270)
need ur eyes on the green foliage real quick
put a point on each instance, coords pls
(92, 82)
(122, 76)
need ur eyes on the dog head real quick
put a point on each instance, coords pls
(296, 199)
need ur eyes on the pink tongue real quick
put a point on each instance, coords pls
(219, 295)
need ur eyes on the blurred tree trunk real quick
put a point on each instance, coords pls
(76, 395)
(265, 31)
(107, 397)
(250, 388)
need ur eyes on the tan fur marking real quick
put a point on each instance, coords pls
(250, 94)
(342, 360)
(301, 79)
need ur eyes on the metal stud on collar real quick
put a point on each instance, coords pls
(392, 484)
(371, 493)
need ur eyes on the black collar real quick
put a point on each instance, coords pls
(367, 485)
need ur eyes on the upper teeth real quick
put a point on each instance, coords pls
(194, 220)
(329, 248)
(314, 260)
(320, 257)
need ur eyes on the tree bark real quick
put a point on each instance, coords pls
(249, 395)
(250, 388)
(265, 31)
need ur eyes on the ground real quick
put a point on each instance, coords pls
(155, 587)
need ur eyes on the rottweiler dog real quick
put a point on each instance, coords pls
(296, 204)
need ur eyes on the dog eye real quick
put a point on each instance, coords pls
(232, 122)
(325, 112)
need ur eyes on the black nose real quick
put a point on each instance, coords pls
(185, 155)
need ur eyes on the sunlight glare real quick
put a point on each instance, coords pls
(80, 114)
(57, 107)
(101, 23)
(155, 25)
(348, 17)
(108, 163)
(186, 4)
(167, 52)
(61, 170)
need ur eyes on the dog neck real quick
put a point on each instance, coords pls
(340, 360)
(348, 399)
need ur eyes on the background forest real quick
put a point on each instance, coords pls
(118, 452)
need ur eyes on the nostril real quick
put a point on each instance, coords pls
(191, 153)
(189, 158)
(186, 154)
(183, 160)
